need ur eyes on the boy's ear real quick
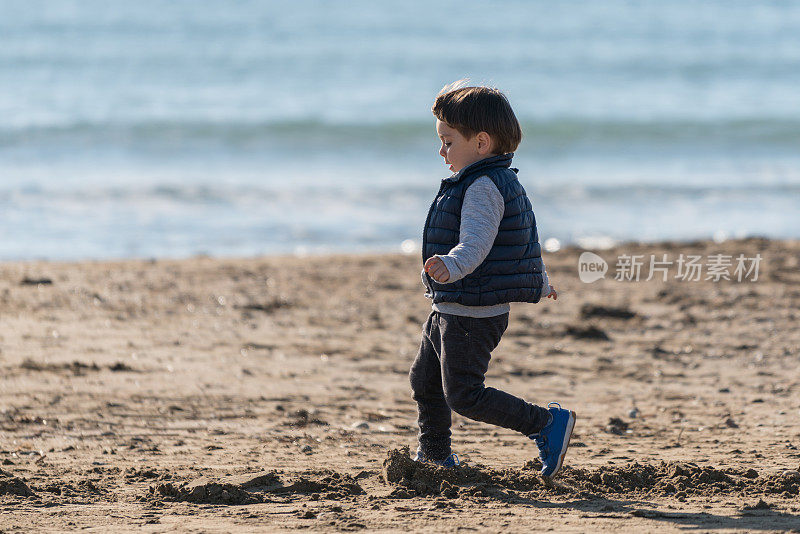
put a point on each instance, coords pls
(484, 143)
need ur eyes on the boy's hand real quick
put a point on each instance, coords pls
(553, 293)
(436, 269)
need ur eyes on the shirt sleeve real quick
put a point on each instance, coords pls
(481, 213)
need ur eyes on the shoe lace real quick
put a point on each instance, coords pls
(541, 438)
(544, 451)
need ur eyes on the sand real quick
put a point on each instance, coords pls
(239, 395)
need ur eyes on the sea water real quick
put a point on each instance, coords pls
(174, 128)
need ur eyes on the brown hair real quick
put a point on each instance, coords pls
(471, 110)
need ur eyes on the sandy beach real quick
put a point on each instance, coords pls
(240, 395)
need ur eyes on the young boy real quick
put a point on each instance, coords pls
(481, 251)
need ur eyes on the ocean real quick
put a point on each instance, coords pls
(178, 128)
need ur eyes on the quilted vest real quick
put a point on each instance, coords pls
(512, 271)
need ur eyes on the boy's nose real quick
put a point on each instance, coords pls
(442, 152)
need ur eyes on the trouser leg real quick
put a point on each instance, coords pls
(466, 346)
(434, 415)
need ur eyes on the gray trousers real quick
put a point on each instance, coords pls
(448, 374)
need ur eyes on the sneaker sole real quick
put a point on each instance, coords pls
(568, 433)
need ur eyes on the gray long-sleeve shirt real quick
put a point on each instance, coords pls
(481, 213)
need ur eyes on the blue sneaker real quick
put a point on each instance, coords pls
(450, 461)
(553, 439)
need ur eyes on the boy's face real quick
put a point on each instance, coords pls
(457, 150)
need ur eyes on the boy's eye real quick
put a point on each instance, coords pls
(447, 144)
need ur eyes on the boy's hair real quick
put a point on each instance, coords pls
(471, 110)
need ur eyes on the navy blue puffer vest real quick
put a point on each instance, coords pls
(512, 271)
